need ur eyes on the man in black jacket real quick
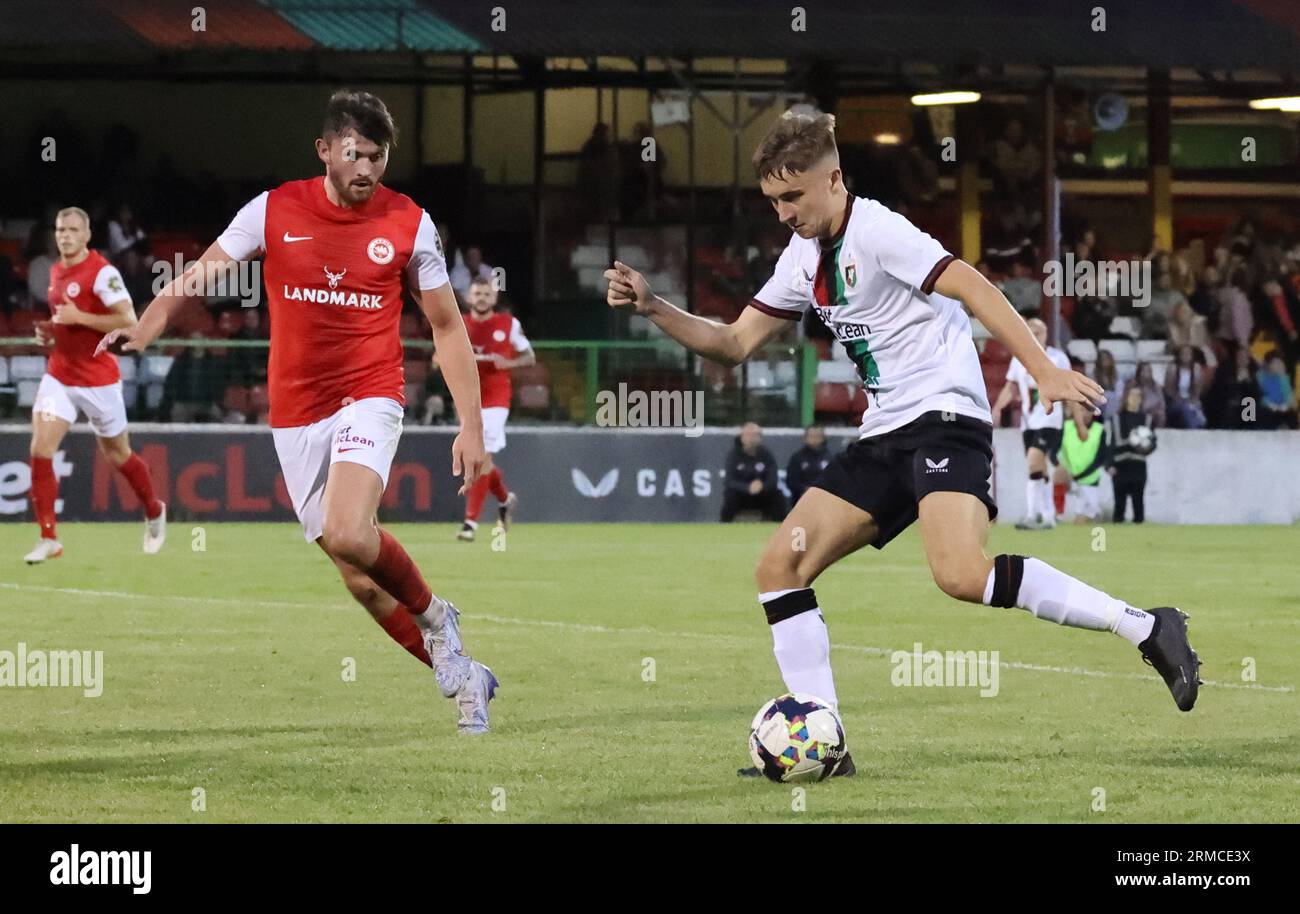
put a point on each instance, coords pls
(807, 462)
(752, 478)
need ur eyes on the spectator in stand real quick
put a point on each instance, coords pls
(1153, 396)
(1233, 398)
(1023, 288)
(463, 273)
(38, 273)
(1017, 161)
(1187, 328)
(1185, 383)
(1107, 374)
(1280, 313)
(136, 274)
(1128, 462)
(1277, 399)
(1159, 313)
(195, 386)
(1092, 317)
(248, 363)
(1205, 300)
(598, 175)
(1235, 319)
(752, 478)
(807, 463)
(124, 233)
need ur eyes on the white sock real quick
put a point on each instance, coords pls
(432, 618)
(802, 646)
(1031, 501)
(1046, 504)
(1055, 596)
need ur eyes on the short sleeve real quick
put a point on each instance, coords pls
(1014, 371)
(517, 338)
(427, 268)
(909, 254)
(785, 295)
(245, 237)
(109, 287)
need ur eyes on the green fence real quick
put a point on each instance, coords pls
(211, 379)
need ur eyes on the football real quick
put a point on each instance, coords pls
(1141, 439)
(796, 737)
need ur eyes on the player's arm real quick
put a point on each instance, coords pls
(524, 355)
(120, 314)
(202, 273)
(1005, 396)
(728, 344)
(459, 369)
(961, 281)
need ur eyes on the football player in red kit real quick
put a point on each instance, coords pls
(340, 251)
(87, 299)
(499, 345)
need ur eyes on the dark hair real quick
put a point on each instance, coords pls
(796, 143)
(480, 280)
(365, 113)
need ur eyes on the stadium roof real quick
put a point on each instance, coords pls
(972, 34)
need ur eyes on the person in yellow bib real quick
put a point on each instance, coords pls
(1085, 449)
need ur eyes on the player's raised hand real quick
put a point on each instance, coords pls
(68, 314)
(627, 288)
(469, 457)
(44, 331)
(123, 339)
(1066, 386)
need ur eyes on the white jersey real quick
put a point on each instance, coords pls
(1032, 412)
(873, 286)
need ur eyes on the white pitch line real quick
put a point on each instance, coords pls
(605, 630)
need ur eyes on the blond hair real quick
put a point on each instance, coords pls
(73, 211)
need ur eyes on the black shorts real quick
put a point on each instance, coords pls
(888, 475)
(1047, 440)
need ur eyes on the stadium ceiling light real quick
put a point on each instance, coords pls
(946, 98)
(888, 139)
(1285, 103)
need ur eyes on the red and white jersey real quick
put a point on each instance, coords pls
(334, 280)
(503, 335)
(92, 285)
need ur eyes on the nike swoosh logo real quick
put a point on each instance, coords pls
(344, 450)
(290, 239)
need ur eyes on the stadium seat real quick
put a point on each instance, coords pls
(4, 369)
(236, 399)
(860, 401)
(537, 373)
(27, 392)
(130, 394)
(833, 398)
(258, 399)
(27, 367)
(534, 396)
(1128, 327)
(154, 368)
(416, 370)
(23, 323)
(995, 353)
(1083, 350)
(126, 364)
(836, 371)
(1151, 349)
(1122, 350)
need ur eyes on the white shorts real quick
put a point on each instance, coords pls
(103, 406)
(364, 432)
(494, 428)
(1087, 500)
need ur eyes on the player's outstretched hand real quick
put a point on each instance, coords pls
(469, 457)
(627, 288)
(1070, 387)
(121, 340)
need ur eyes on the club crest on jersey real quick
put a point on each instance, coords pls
(380, 250)
(335, 278)
(74, 289)
(851, 274)
(499, 336)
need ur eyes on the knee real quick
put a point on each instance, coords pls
(963, 580)
(347, 542)
(114, 452)
(780, 567)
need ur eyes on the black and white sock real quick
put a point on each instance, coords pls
(800, 641)
(1049, 594)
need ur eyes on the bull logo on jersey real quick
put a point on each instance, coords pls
(851, 274)
(74, 289)
(380, 250)
(335, 278)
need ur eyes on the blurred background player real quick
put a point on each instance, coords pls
(499, 345)
(1041, 431)
(340, 252)
(1084, 454)
(1133, 438)
(87, 299)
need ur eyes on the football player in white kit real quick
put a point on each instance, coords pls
(893, 297)
(1040, 429)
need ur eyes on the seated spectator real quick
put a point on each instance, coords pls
(752, 478)
(124, 232)
(1107, 374)
(1236, 322)
(38, 272)
(1277, 399)
(1023, 289)
(194, 387)
(1205, 300)
(807, 463)
(248, 363)
(462, 274)
(1159, 313)
(1153, 396)
(1187, 328)
(1093, 316)
(1185, 382)
(1233, 398)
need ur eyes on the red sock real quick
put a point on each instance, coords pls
(497, 483)
(402, 629)
(136, 472)
(474, 500)
(45, 491)
(394, 571)
(1058, 496)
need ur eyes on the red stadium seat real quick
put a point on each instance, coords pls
(236, 400)
(259, 400)
(533, 396)
(536, 373)
(416, 370)
(833, 398)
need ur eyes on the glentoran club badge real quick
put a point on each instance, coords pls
(851, 273)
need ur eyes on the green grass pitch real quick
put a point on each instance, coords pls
(224, 671)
